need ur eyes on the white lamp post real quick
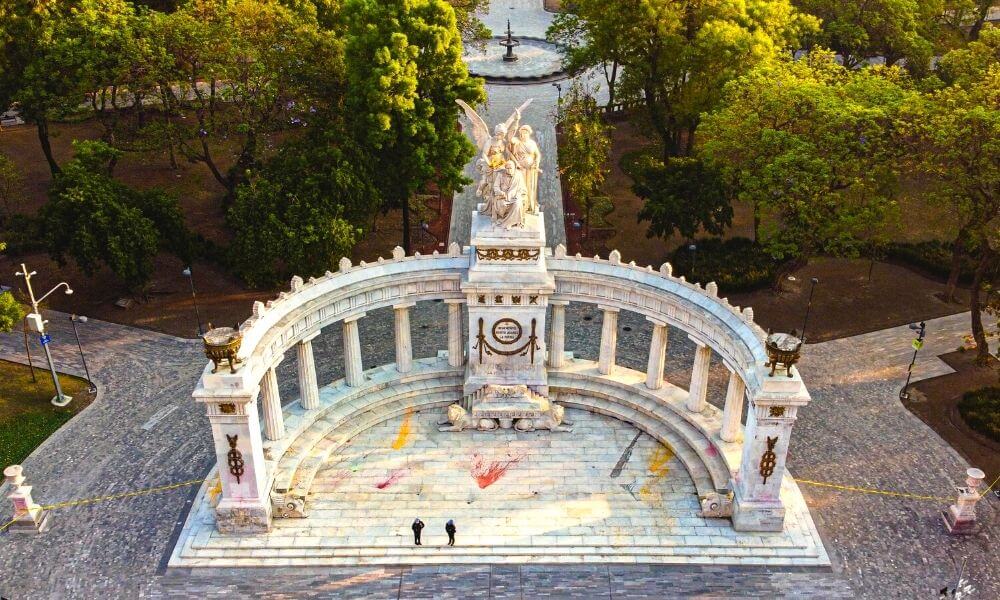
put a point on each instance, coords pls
(37, 324)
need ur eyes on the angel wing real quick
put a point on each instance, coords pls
(515, 118)
(480, 131)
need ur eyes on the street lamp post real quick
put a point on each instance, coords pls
(558, 87)
(81, 319)
(194, 297)
(37, 324)
(805, 320)
(694, 253)
(917, 345)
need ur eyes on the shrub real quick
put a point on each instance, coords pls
(736, 265)
(934, 257)
(981, 411)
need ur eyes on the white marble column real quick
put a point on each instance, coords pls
(404, 343)
(557, 339)
(308, 386)
(733, 411)
(456, 350)
(353, 369)
(609, 339)
(274, 421)
(698, 391)
(657, 354)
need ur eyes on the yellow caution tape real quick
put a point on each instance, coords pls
(153, 490)
(851, 488)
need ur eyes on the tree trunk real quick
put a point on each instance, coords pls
(957, 253)
(611, 79)
(42, 125)
(977, 25)
(978, 333)
(406, 222)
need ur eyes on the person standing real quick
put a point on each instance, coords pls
(449, 528)
(418, 525)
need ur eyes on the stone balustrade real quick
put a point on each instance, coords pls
(294, 318)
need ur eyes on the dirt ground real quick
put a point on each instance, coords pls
(935, 401)
(222, 298)
(845, 303)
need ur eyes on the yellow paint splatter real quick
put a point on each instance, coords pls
(658, 461)
(403, 436)
(213, 492)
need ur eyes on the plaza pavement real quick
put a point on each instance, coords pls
(145, 431)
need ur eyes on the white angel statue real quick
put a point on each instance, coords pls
(494, 155)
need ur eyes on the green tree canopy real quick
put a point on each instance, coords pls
(96, 220)
(685, 195)
(404, 72)
(584, 153)
(302, 212)
(808, 144)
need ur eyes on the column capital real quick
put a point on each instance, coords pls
(454, 300)
(277, 360)
(609, 309)
(310, 337)
(558, 302)
(354, 317)
(403, 305)
(656, 322)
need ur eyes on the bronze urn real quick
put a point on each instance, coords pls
(783, 349)
(222, 343)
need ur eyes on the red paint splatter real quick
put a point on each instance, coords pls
(394, 476)
(486, 474)
(711, 450)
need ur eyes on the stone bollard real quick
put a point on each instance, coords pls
(960, 518)
(28, 516)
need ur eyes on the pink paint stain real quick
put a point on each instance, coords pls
(394, 476)
(486, 474)
(711, 450)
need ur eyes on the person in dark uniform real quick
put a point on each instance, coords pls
(450, 530)
(418, 525)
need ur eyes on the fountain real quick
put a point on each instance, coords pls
(509, 43)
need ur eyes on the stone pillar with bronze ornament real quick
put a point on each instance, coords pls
(757, 484)
(230, 401)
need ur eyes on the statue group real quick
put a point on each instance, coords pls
(509, 164)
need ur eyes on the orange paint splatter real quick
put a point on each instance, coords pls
(403, 436)
(394, 476)
(486, 474)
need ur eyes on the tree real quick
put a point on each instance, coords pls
(895, 30)
(584, 151)
(952, 136)
(404, 73)
(675, 56)
(11, 181)
(685, 195)
(238, 72)
(96, 220)
(808, 144)
(302, 212)
(11, 311)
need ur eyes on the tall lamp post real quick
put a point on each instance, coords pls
(693, 248)
(37, 324)
(558, 87)
(809, 303)
(82, 319)
(917, 345)
(194, 297)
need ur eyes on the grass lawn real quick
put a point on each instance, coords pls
(27, 416)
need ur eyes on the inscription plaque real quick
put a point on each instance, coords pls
(507, 331)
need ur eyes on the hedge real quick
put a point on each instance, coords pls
(736, 264)
(933, 257)
(981, 411)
